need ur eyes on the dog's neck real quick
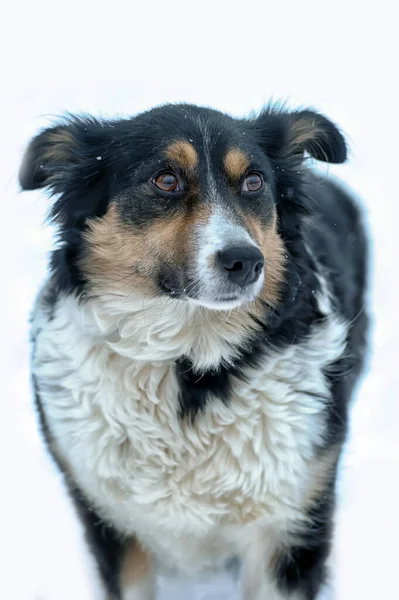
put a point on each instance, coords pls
(164, 330)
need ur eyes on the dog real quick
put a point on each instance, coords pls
(196, 345)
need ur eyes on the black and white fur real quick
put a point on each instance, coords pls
(192, 430)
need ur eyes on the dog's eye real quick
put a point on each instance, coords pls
(167, 182)
(252, 183)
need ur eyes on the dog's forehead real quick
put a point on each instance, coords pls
(187, 136)
(190, 120)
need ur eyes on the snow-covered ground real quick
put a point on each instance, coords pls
(118, 59)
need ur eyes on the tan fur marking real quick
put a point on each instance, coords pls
(183, 153)
(60, 144)
(273, 250)
(112, 251)
(254, 227)
(122, 257)
(172, 236)
(136, 565)
(305, 133)
(236, 163)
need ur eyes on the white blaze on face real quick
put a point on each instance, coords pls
(217, 234)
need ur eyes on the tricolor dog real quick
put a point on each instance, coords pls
(198, 339)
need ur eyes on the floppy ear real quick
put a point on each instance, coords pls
(294, 133)
(70, 159)
(48, 156)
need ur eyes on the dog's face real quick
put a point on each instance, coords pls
(180, 201)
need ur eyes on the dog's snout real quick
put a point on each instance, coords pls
(242, 264)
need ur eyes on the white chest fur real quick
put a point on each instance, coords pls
(116, 424)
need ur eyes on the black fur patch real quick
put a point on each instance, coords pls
(301, 568)
(66, 273)
(196, 389)
(106, 544)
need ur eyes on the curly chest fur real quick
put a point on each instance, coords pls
(116, 426)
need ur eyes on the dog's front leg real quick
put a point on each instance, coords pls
(275, 571)
(137, 577)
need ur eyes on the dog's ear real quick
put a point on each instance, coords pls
(284, 133)
(70, 159)
(49, 156)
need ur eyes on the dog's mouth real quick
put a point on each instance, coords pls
(223, 302)
(174, 289)
(231, 298)
(195, 292)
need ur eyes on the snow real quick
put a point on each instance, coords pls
(234, 57)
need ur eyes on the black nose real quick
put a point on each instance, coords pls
(243, 264)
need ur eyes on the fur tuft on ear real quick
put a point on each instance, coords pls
(284, 133)
(57, 150)
(47, 154)
(71, 160)
(317, 135)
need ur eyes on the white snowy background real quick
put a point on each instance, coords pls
(118, 58)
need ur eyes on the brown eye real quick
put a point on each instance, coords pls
(167, 182)
(252, 183)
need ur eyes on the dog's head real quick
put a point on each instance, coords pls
(180, 201)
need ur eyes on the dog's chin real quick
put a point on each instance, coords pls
(228, 300)
(222, 303)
